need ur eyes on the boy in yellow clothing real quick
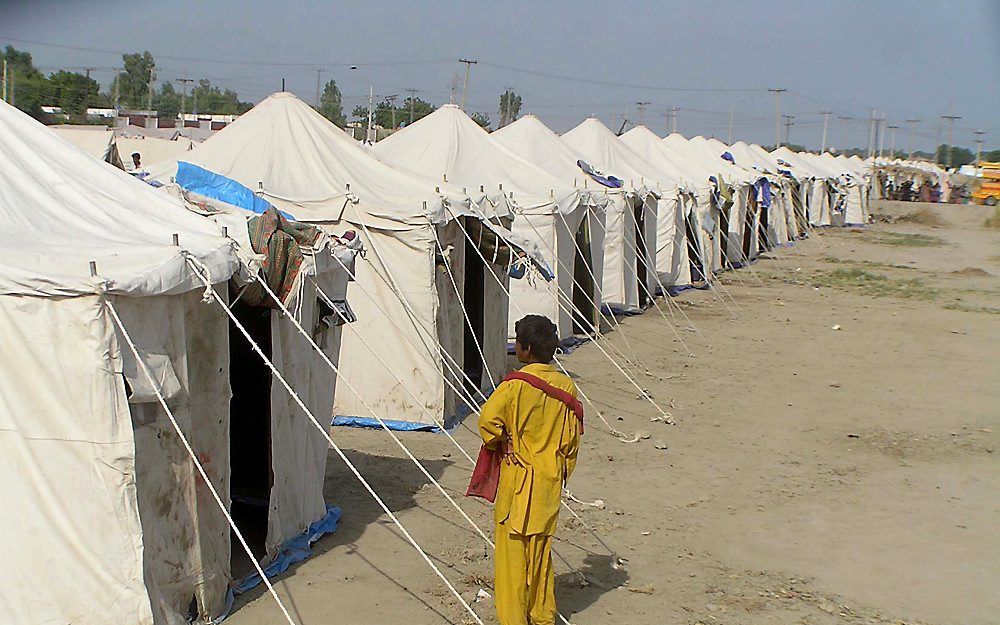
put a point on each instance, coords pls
(540, 437)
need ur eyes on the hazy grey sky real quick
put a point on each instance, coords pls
(911, 59)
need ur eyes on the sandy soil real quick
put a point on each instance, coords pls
(814, 475)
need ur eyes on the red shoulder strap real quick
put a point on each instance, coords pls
(555, 393)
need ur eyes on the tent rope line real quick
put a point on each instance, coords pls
(466, 398)
(465, 312)
(329, 363)
(672, 316)
(668, 301)
(641, 390)
(571, 308)
(375, 353)
(558, 362)
(388, 279)
(371, 491)
(473, 462)
(194, 458)
(381, 422)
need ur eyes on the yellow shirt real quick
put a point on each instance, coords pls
(544, 439)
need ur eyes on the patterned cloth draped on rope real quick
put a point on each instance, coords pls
(281, 242)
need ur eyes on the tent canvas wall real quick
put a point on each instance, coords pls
(630, 243)
(106, 520)
(151, 149)
(695, 227)
(576, 238)
(97, 141)
(449, 145)
(301, 163)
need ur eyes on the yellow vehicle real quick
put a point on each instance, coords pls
(989, 192)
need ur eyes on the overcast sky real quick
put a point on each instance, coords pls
(569, 60)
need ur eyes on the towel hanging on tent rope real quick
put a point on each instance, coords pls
(281, 242)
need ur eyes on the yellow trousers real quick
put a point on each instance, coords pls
(524, 581)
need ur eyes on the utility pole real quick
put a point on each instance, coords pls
(117, 89)
(465, 86)
(871, 134)
(950, 119)
(413, 96)
(843, 129)
(149, 89)
(87, 70)
(892, 141)
(319, 72)
(673, 118)
(371, 104)
(979, 146)
(880, 134)
(788, 126)
(826, 121)
(732, 111)
(909, 140)
(391, 99)
(641, 111)
(184, 90)
(777, 116)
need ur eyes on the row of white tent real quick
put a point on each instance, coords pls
(117, 146)
(110, 521)
(899, 170)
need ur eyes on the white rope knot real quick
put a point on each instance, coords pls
(203, 272)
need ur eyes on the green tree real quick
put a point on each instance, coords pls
(168, 101)
(28, 89)
(331, 104)
(216, 101)
(417, 107)
(483, 119)
(992, 156)
(383, 115)
(72, 92)
(959, 155)
(133, 82)
(510, 107)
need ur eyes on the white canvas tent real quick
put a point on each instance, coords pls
(631, 224)
(409, 322)
(578, 236)
(105, 519)
(740, 222)
(151, 149)
(818, 194)
(449, 145)
(696, 226)
(97, 141)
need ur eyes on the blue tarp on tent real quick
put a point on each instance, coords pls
(212, 185)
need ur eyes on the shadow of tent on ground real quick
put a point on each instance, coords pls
(396, 480)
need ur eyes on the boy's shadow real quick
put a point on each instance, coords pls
(575, 593)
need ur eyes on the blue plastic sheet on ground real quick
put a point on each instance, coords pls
(218, 187)
(392, 424)
(398, 425)
(292, 552)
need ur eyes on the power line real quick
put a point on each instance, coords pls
(604, 83)
(311, 64)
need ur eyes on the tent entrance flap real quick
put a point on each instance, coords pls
(250, 433)
(641, 262)
(695, 255)
(474, 298)
(584, 310)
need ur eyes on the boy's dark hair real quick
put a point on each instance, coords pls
(537, 334)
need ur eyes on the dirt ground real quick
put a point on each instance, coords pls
(834, 458)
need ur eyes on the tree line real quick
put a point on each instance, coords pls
(29, 90)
